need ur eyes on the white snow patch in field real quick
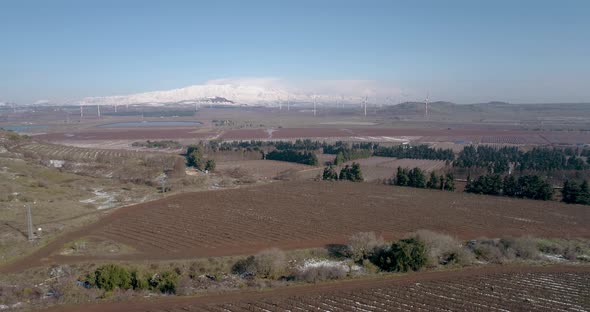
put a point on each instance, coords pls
(316, 263)
(55, 163)
(103, 199)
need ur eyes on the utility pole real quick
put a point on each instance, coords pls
(29, 221)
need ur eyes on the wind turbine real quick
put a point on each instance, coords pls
(314, 104)
(426, 106)
(98, 109)
(81, 111)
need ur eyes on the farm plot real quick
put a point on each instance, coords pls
(312, 214)
(118, 164)
(503, 289)
(260, 169)
(528, 291)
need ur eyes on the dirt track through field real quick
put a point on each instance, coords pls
(310, 214)
(512, 288)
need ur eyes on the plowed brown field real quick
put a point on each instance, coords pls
(489, 289)
(312, 214)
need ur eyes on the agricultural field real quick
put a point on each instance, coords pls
(128, 166)
(311, 214)
(260, 169)
(506, 289)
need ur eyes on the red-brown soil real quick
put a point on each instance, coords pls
(513, 288)
(311, 214)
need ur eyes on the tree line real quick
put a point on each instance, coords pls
(526, 186)
(307, 158)
(415, 152)
(498, 160)
(416, 177)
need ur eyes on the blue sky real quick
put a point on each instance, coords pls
(462, 51)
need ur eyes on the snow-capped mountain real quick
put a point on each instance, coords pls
(235, 94)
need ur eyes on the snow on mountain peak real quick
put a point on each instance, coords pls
(247, 91)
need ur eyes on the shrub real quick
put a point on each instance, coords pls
(245, 267)
(138, 281)
(402, 256)
(166, 282)
(109, 277)
(506, 249)
(522, 247)
(271, 263)
(443, 249)
(363, 245)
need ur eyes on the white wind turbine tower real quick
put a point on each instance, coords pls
(98, 109)
(81, 111)
(314, 104)
(426, 106)
(365, 101)
(288, 102)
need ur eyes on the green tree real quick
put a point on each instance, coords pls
(345, 173)
(210, 165)
(433, 182)
(339, 159)
(355, 173)
(401, 178)
(416, 178)
(109, 277)
(330, 174)
(584, 194)
(570, 192)
(194, 156)
(510, 186)
(449, 182)
(402, 256)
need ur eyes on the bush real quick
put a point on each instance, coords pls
(314, 274)
(363, 245)
(245, 267)
(402, 256)
(166, 282)
(568, 249)
(271, 263)
(443, 249)
(138, 281)
(109, 277)
(506, 249)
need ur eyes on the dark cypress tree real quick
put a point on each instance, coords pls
(330, 174)
(510, 187)
(584, 194)
(433, 182)
(416, 178)
(401, 178)
(355, 173)
(450, 182)
(345, 173)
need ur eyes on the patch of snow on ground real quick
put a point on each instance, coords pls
(316, 263)
(104, 200)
